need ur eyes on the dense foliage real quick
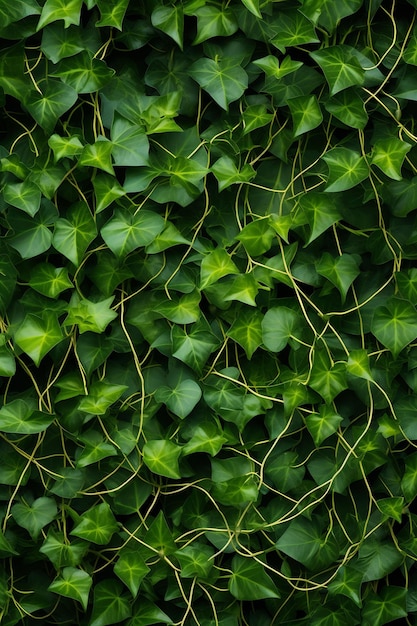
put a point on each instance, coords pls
(208, 348)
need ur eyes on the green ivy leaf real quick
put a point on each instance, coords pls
(385, 607)
(83, 72)
(98, 155)
(46, 107)
(50, 281)
(327, 379)
(111, 13)
(193, 346)
(389, 155)
(246, 330)
(161, 456)
(35, 515)
(170, 19)
(224, 79)
(395, 324)
(347, 582)
(54, 10)
(321, 211)
(278, 325)
(306, 114)
(106, 190)
(257, 237)
(59, 42)
(25, 196)
(97, 525)
(88, 315)
(110, 605)
(73, 583)
(130, 143)
(19, 417)
(347, 169)
(228, 174)
(125, 232)
(101, 396)
(249, 581)
(74, 233)
(341, 270)
(214, 21)
(195, 560)
(181, 399)
(293, 29)
(131, 569)
(65, 146)
(323, 424)
(348, 107)
(36, 336)
(340, 67)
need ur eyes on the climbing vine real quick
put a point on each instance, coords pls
(208, 294)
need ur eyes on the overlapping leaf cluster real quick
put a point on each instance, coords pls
(208, 294)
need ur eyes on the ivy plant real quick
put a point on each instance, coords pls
(208, 325)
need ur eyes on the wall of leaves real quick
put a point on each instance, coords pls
(208, 295)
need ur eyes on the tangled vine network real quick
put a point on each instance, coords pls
(208, 291)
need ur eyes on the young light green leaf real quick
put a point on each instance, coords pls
(389, 154)
(112, 13)
(227, 173)
(98, 155)
(106, 190)
(323, 424)
(54, 10)
(214, 266)
(214, 21)
(161, 456)
(273, 68)
(256, 116)
(89, 315)
(63, 147)
(306, 114)
(327, 379)
(49, 280)
(97, 525)
(73, 583)
(246, 330)
(101, 396)
(36, 336)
